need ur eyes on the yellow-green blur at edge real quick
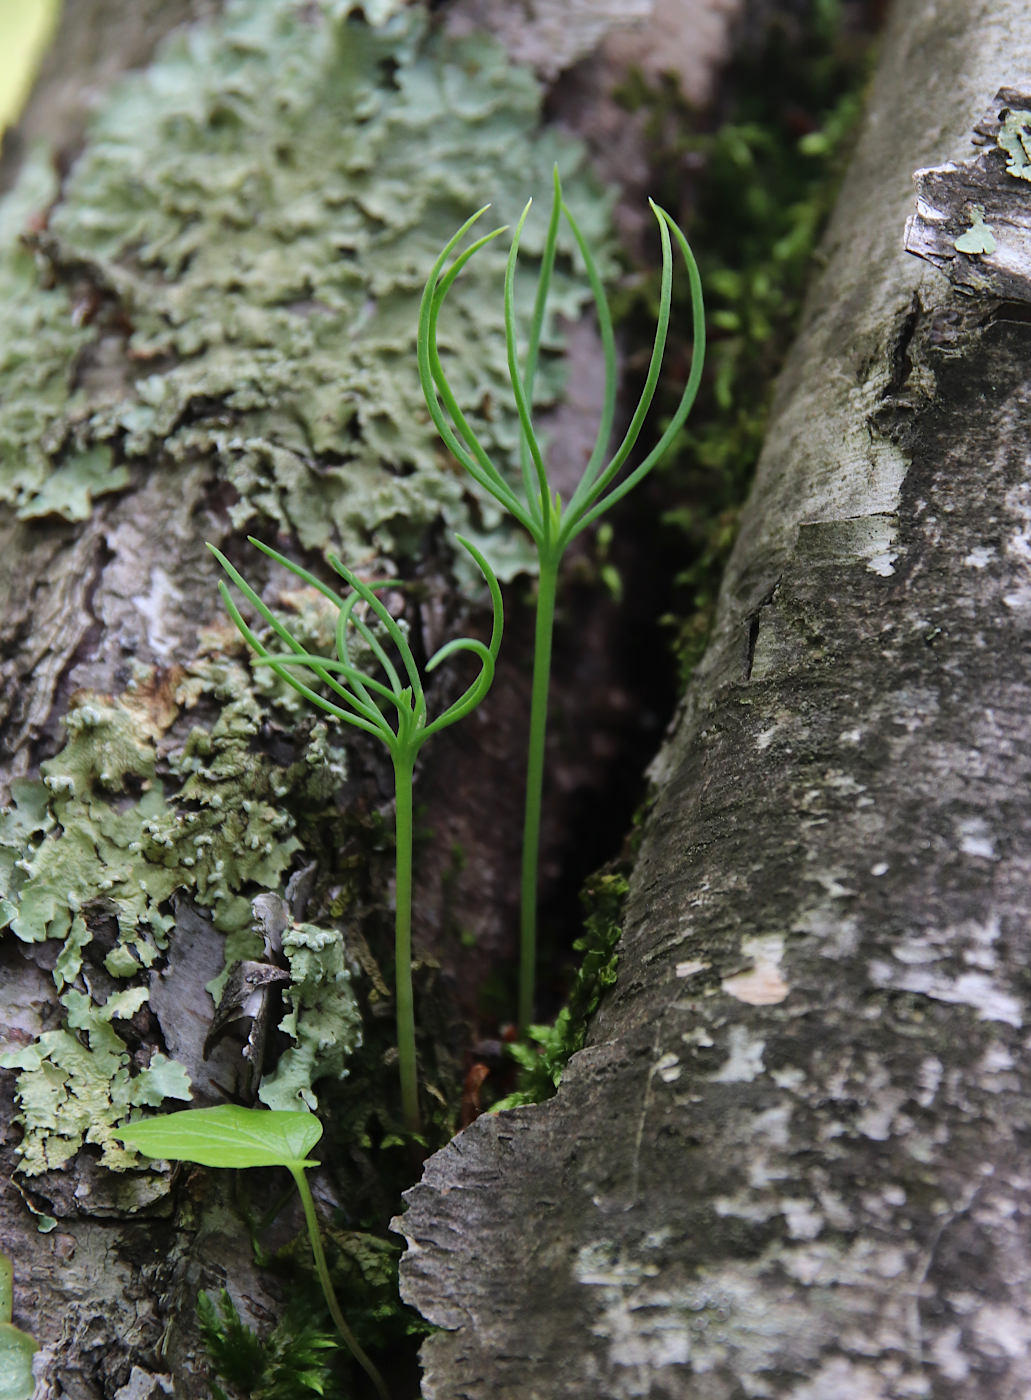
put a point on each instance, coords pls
(25, 29)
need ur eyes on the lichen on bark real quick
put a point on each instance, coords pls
(231, 271)
(90, 858)
(221, 290)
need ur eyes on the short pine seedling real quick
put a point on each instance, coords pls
(552, 524)
(394, 710)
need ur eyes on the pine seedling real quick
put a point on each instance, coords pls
(552, 524)
(394, 710)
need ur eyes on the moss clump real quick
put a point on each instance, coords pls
(231, 272)
(542, 1060)
(762, 182)
(291, 1363)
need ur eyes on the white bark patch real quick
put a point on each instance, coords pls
(847, 1380)
(640, 1335)
(153, 608)
(880, 1120)
(1018, 502)
(975, 838)
(997, 1060)
(745, 1061)
(979, 557)
(1002, 1330)
(947, 1351)
(883, 564)
(974, 989)
(803, 1222)
(929, 1081)
(762, 984)
(745, 1208)
(919, 954)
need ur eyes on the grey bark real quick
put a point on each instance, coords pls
(791, 1161)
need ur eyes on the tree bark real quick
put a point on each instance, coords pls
(791, 1160)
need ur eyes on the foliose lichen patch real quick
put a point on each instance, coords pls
(231, 272)
(322, 1017)
(100, 843)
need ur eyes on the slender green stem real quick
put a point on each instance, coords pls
(6, 1289)
(547, 587)
(403, 765)
(322, 1269)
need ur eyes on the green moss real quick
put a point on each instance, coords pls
(254, 217)
(763, 183)
(291, 1363)
(542, 1060)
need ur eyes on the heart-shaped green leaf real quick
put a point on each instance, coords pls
(16, 1352)
(227, 1136)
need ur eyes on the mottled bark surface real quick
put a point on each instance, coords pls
(791, 1161)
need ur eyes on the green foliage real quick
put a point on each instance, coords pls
(395, 712)
(537, 506)
(249, 222)
(17, 1348)
(544, 1054)
(289, 1364)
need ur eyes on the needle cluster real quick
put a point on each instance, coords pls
(551, 523)
(393, 708)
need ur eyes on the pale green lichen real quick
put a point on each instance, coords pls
(229, 827)
(100, 827)
(72, 1089)
(74, 840)
(1015, 139)
(979, 238)
(322, 1017)
(40, 341)
(256, 214)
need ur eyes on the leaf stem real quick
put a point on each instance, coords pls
(547, 588)
(322, 1269)
(403, 776)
